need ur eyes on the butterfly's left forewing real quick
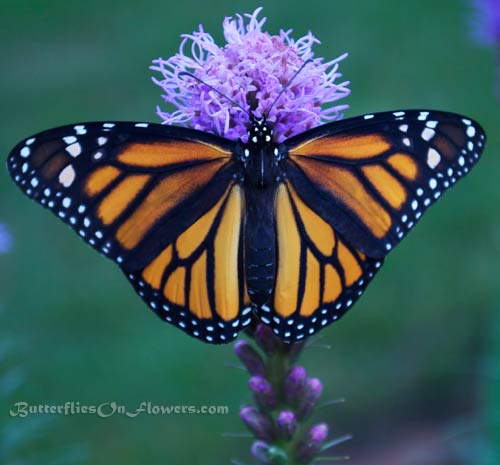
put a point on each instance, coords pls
(160, 201)
(372, 177)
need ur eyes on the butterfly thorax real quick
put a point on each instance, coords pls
(261, 172)
(260, 156)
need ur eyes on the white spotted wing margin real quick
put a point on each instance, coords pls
(443, 147)
(53, 166)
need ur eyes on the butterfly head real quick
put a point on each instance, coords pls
(259, 131)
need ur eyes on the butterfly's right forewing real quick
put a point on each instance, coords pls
(160, 201)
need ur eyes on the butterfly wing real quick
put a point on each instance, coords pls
(372, 177)
(353, 190)
(319, 274)
(157, 200)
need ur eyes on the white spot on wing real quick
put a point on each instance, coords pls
(69, 139)
(428, 134)
(74, 149)
(67, 176)
(25, 152)
(433, 158)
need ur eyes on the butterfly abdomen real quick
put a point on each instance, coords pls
(260, 248)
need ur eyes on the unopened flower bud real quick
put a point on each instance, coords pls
(266, 339)
(308, 448)
(287, 424)
(260, 450)
(294, 384)
(263, 391)
(309, 399)
(260, 425)
(250, 358)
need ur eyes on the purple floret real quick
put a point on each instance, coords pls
(251, 69)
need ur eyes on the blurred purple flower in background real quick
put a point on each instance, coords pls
(251, 69)
(5, 239)
(486, 21)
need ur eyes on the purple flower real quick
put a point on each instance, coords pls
(486, 21)
(285, 397)
(5, 239)
(251, 70)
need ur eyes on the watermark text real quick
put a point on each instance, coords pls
(108, 409)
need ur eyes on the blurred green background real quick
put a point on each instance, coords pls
(418, 359)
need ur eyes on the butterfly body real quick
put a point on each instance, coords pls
(214, 233)
(261, 157)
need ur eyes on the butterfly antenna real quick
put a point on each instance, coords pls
(287, 85)
(185, 73)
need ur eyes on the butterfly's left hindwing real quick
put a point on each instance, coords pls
(160, 201)
(319, 274)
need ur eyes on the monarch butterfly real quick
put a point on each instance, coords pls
(213, 233)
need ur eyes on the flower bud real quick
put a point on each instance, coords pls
(260, 450)
(266, 339)
(268, 455)
(287, 424)
(293, 350)
(309, 399)
(263, 391)
(308, 448)
(250, 358)
(260, 425)
(294, 383)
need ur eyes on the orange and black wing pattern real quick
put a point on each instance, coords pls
(372, 177)
(352, 191)
(159, 201)
(319, 274)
